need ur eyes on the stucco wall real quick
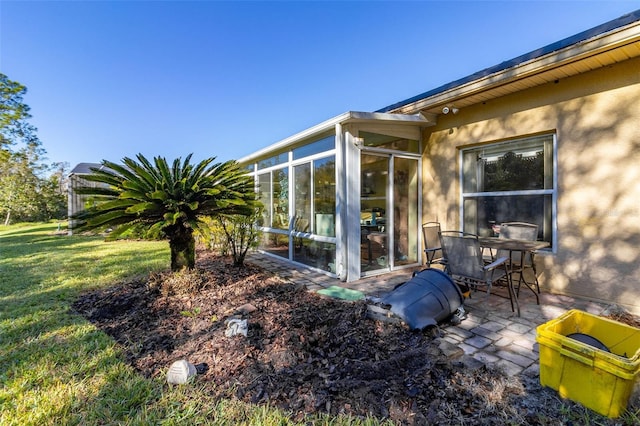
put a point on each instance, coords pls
(596, 117)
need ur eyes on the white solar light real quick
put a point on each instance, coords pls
(180, 372)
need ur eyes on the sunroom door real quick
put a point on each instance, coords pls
(374, 205)
(388, 212)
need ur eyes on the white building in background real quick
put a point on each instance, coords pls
(76, 202)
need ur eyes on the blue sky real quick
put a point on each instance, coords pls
(109, 79)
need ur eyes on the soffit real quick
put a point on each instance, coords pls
(591, 54)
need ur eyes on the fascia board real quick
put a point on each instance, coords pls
(609, 41)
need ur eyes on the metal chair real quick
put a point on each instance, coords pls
(466, 266)
(520, 231)
(432, 246)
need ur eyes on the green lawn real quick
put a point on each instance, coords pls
(57, 368)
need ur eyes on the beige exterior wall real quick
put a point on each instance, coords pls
(596, 117)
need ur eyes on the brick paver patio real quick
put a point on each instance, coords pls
(491, 333)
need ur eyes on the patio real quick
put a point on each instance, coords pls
(491, 332)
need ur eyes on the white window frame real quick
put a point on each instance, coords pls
(553, 191)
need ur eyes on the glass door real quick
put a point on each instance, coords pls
(374, 241)
(388, 212)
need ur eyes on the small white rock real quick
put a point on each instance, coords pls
(235, 327)
(180, 372)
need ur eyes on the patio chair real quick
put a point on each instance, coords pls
(466, 266)
(520, 231)
(432, 246)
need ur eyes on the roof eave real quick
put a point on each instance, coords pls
(467, 86)
(419, 119)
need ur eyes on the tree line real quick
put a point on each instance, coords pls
(30, 189)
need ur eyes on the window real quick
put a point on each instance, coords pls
(509, 182)
(280, 199)
(281, 158)
(298, 191)
(322, 145)
(264, 195)
(376, 140)
(324, 183)
(273, 192)
(302, 197)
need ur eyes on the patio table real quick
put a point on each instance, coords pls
(521, 246)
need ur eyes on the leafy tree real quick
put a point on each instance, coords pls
(14, 114)
(52, 194)
(24, 193)
(17, 187)
(172, 200)
(514, 172)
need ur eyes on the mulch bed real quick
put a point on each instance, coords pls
(304, 353)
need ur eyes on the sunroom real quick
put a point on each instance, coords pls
(530, 140)
(344, 196)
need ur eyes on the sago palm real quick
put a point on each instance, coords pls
(167, 200)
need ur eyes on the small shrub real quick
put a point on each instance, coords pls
(212, 237)
(242, 234)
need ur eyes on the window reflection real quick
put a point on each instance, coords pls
(302, 197)
(277, 244)
(264, 194)
(325, 144)
(376, 140)
(509, 182)
(318, 254)
(281, 158)
(325, 196)
(280, 197)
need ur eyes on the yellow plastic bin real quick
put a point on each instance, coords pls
(599, 380)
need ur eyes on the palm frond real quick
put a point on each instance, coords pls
(144, 207)
(153, 174)
(164, 198)
(166, 182)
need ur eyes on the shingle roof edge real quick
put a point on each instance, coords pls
(575, 39)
